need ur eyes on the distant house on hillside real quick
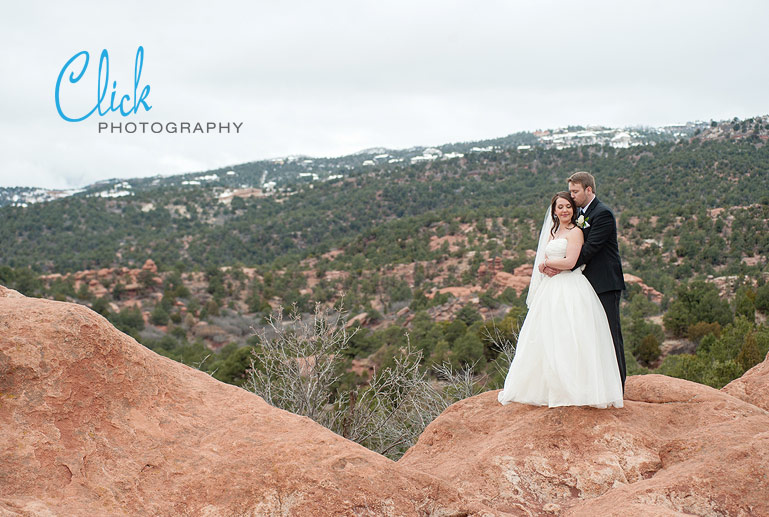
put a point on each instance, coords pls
(621, 140)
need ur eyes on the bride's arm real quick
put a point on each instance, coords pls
(574, 241)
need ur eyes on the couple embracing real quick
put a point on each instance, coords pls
(570, 350)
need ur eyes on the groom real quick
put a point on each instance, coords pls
(600, 254)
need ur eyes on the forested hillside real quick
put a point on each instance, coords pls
(439, 248)
(190, 224)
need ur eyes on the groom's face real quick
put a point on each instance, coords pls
(580, 195)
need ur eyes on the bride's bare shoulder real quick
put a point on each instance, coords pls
(576, 234)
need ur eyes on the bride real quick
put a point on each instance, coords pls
(565, 353)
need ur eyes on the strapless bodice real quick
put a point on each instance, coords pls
(556, 248)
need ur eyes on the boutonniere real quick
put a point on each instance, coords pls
(582, 221)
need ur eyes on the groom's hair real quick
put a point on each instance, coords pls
(583, 178)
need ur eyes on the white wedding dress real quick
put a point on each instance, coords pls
(565, 353)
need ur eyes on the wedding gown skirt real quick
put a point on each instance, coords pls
(565, 354)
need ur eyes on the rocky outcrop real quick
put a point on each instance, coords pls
(676, 448)
(149, 265)
(753, 386)
(647, 291)
(9, 293)
(518, 280)
(92, 423)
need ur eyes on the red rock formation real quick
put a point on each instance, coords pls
(488, 269)
(150, 266)
(752, 386)
(652, 293)
(96, 289)
(361, 319)
(503, 280)
(454, 242)
(92, 423)
(132, 304)
(524, 270)
(457, 292)
(363, 367)
(676, 448)
(331, 255)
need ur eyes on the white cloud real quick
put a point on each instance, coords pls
(328, 78)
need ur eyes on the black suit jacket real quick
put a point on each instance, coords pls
(600, 252)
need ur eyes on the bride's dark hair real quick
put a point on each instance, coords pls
(557, 222)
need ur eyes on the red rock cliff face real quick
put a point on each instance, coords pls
(92, 423)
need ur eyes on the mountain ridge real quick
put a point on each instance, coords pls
(20, 195)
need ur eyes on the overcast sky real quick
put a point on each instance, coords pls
(335, 77)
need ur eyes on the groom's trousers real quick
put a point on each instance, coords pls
(610, 301)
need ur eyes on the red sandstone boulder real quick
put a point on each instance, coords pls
(676, 448)
(132, 287)
(149, 265)
(456, 292)
(524, 270)
(503, 280)
(9, 293)
(650, 292)
(753, 386)
(92, 423)
(361, 319)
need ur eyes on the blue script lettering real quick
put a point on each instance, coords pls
(101, 87)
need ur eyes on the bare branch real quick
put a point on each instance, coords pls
(298, 369)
